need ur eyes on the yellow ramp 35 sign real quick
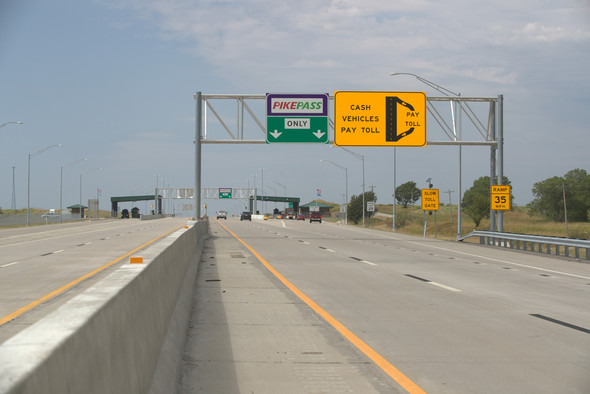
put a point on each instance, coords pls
(500, 197)
(379, 118)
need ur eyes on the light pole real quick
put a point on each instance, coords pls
(255, 196)
(61, 179)
(284, 191)
(13, 191)
(457, 121)
(275, 192)
(156, 196)
(86, 173)
(4, 124)
(444, 91)
(262, 190)
(31, 155)
(362, 158)
(346, 187)
(394, 186)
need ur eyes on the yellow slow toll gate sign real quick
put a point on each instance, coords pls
(379, 118)
(430, 199)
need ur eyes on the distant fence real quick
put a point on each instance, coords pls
(535, 243)
(21, 220)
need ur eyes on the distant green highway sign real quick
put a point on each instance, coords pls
(225, 192)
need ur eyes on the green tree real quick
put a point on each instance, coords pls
(355, 208)
(549, 197)
(407, 193)
(476, 200)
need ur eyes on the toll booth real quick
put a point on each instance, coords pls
(116, 200)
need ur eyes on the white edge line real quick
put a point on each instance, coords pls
(367, 262)
(488, 258)
(9, 264)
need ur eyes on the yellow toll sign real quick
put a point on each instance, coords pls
(500, 198)
(430, 199)
(379, 118)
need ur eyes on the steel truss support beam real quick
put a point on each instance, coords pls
(487, 132)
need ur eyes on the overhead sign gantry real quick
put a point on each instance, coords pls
(404, 125)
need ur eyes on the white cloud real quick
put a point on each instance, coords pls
(244, 38)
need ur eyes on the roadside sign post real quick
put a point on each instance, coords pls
(370, 208)
(292, 118)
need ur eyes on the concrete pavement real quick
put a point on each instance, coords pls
(249, 334)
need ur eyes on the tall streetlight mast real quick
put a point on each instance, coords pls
(362, 158)
(31, 155)
(457, 125)
(284, 189)
(13, 190)
(346, 190)
(88, 172)
(61, 178)
(7, 123)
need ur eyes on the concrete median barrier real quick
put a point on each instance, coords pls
(123, 335)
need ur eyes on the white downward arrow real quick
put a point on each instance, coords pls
(276, 134)
(319, 133)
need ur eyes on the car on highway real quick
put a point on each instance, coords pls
(222, 215)
(315, 217)
(246, 216)
(50, 215)
(300, 217)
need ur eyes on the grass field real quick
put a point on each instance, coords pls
(410, 221)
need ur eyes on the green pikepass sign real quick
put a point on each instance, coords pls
(299, 118)
(225, 192)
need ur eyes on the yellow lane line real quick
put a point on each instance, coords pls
(46, 297)
(385, 365)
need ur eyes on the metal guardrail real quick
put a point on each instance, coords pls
(534, 243)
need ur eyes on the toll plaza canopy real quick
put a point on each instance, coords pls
(116, 200)
(294, 200)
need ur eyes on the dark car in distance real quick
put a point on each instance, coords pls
(246, 216)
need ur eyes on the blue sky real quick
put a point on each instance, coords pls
(113, 81)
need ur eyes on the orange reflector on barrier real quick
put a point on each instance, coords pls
(136, 260)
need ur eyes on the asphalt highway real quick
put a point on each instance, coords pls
(43, 266)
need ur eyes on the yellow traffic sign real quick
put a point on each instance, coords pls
(500, 200)
(379, 118)
(430, 199)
